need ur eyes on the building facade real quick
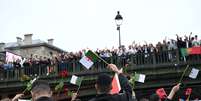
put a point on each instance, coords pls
(29, 47)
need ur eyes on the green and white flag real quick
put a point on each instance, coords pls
(140, 77)
(193, 74)
(89, 59)
(76, 80)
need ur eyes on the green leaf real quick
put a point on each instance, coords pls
(69, 93)
(132, 80)
(59, 86)
(24, 78)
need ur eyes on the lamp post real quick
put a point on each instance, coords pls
(119, 20)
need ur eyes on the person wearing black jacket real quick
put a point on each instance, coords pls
(40, 91)
(104, 85)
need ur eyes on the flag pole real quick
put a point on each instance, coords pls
(184, 58)
(100, 58)
(180, 80)
(24, 91)
(79, 87)
(188, 97)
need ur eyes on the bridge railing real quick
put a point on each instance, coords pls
(73, 66)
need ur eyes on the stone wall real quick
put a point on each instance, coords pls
(39, 51)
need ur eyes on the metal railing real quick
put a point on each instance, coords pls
(138, 59)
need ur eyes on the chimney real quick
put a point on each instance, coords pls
(19, 40)
(2, 46)
(28, 39)
(50, 41)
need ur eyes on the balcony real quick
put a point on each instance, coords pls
(162, 69)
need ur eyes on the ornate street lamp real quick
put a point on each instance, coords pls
(119, 20)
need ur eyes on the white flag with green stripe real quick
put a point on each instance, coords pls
(89, 59)
(76, 80)
(194, 73)
(140, 77)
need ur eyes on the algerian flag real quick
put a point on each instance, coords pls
(76, 80)
(115, 84)
(190, 51)
(89, 59)
(185, 51)
(194, 72)
(140, 77)
(86, 62)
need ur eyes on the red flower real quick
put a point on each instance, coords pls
(63, 73)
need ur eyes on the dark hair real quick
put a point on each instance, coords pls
(40, 86)
(154, 97)
(44, 99)
(104, 82)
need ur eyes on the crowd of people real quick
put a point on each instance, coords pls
(42, 92)
(143, 54)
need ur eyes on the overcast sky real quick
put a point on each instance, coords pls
(78, 24)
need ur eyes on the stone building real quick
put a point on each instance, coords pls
(28, 47)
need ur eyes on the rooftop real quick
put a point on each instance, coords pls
(32, 43)
(15, 44)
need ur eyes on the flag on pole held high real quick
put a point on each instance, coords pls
(193, 74)
(140, 77)
(76, 80)
(89, 59)
(115, 84)
(190, 51)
